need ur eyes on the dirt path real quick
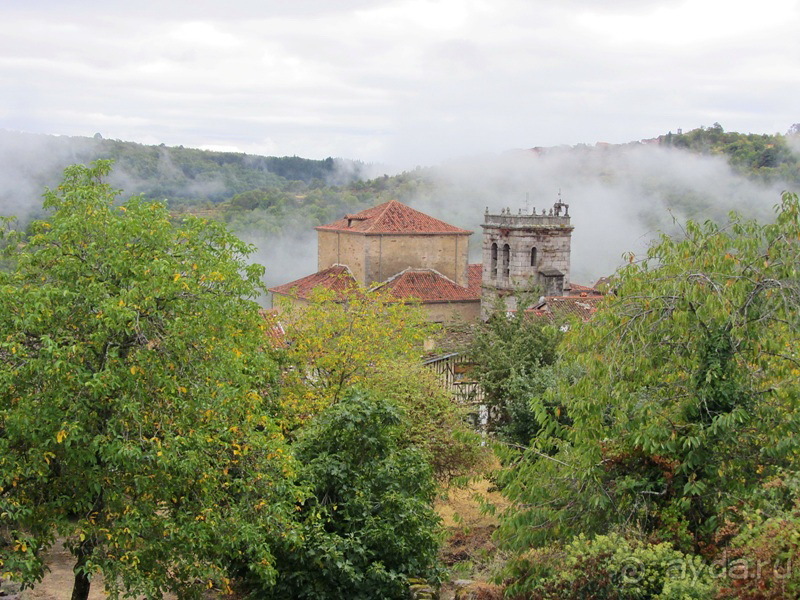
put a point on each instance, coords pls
(57, 584)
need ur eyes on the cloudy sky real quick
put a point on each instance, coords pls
(402, 82)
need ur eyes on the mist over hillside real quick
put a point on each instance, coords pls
(620, 196)
(181, 176)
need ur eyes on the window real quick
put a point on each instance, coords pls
(533, 257)
(494, 260)
(506, 260)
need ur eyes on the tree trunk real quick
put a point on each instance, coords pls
(80, 589)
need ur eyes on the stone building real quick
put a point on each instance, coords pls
(400, 250)
(409, 254)
(522, 251)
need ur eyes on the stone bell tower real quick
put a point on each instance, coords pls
(522, 251)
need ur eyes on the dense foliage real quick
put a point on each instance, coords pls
(611, 568)
(768, 157)
(133, 382)
(142, 413)
(688, 401)
(338, 340)
(369, 523)
(514, 354)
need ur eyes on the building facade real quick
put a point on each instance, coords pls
(402, 251)
(525, 252)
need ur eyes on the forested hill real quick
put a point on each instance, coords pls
(767, 157)
(632, 189)
(183, 176)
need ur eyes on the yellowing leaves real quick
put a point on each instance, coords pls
(61, 436)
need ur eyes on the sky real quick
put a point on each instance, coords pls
(396, 82)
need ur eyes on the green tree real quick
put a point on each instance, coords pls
(343, 338)
(369, 523)
(352, 338)
(513, 353)
(133, 382)
(688, 399)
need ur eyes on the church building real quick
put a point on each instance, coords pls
(522, 251)
(406, 253)
(411, 255)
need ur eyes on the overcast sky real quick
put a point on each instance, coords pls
(402, 82)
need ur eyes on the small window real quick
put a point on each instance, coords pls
(494, 260)
(533, 257)
(506, 260)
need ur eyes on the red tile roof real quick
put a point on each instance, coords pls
(474, 278)
(583, 290)
(336, 278)
(559, 307)
(429, 286)
(394, 218)
(275, 332)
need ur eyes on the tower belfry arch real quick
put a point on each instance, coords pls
(534, 250)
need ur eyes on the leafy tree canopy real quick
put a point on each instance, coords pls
(339, 339)
(356, 338)
(688, 399)
(369, 524)
(513, 355)
(133, 383)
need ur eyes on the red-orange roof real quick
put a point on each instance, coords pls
(392, 217)
(558, 307)
(583, 290)
(337, 278)
(275, 332)
(474, 277)
(430, 286)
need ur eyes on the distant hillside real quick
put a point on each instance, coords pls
(763, 156)
(182, 176)
(620, 194)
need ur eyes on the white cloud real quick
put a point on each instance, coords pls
(411, 81)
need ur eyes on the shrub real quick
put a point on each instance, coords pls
(610, 568)
(368, 523)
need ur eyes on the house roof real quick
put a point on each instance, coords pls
(429, 286)
(394, 218)
(274, 329)
(559, 307)
(577, 289)
(337, 278)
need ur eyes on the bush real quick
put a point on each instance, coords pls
(758, 561)
(435, 423)
(368, 523)
(610, 568)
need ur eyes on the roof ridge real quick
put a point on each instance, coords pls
(379, 216)
(417, 269)
(393, 218)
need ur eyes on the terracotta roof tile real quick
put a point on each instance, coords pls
(429, 286)
(337, 278)
(583, 290)
(392, 217)
(275, 332)
(559, 307)
(474, 278)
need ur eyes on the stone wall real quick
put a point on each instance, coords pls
(450, 312)
(375, 258)
(388, 255)
(336, 248)
(519, 268)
